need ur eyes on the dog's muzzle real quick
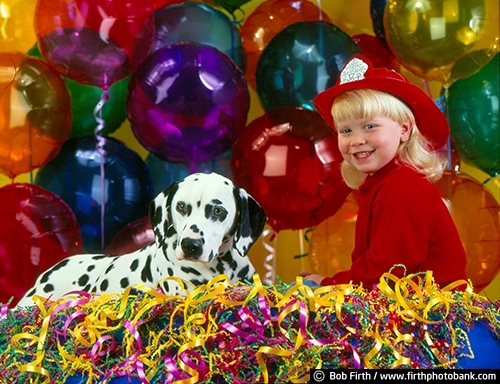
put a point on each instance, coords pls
(192, 248)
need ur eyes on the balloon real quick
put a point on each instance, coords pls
(84, 99)
(37, 230)
(352, 17)
(198, 23)
(475, 212)
(190, 110)
(16, 21)
(442, 40)
(288, 160)
(157, 4)
(75, 176)
(331, 242)
(132, 237)
(164, 173)
(302, 60)
(230, 5)
(377, 9)
(267, 20)
(379, 55)
(94, 42)
(35, 117)
(473, 113)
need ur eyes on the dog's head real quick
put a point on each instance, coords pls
(207, 214)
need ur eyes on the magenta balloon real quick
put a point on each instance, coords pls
(94, 42)
(188, 102)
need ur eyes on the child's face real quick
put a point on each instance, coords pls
(369, 144)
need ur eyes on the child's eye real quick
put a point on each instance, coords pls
(344, 130)
(368, 126)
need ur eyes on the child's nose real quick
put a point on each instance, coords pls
(357, 139)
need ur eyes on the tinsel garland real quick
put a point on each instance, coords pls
(244, 333)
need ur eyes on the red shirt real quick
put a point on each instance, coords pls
(402, 219)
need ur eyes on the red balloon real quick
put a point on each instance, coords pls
(288, 160)
(379, 55)
(475, 212)
(94, 42)
(37, 230)
(132, 237)
(266, 21)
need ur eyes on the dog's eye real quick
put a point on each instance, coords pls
(218, 211)
(181, 206)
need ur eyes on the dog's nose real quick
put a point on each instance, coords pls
(192, 248)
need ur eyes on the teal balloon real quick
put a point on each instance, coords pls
(473, 113)
(84, 99)
(301, 61)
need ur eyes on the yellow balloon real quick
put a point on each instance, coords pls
(17, 33)
(442, 40)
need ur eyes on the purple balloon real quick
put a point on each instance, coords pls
(188, 102)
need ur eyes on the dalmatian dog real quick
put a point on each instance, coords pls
(204, 227)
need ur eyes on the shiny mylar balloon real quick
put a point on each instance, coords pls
(267, 20)
(289, 162)
(475, 213)
(164, 173)
(187, 102)
(94, 42)
(35, 113)
(37, 229)
(198, 23)
(442, 40)
(16, 21)
(75, 175)
(474, 114)
(132, 237)
(380, 56)
(230, 5)
(377, 9)
(302, 60)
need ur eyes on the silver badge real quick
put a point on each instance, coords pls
(354, 70)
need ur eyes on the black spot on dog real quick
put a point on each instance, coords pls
(32, 292)
(45, 276)
(48, 288)
(124, 283)
(110, 268)
(170, 231)
(90, 268)
(99, 257)
(104, 285)
(190, 270)
(134, 265)
(243, 273)
(146, 274)
(194, 228)
(83, 280)
(61, 264)
(87, 288)
(170, 271)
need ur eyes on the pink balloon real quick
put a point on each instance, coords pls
(94, 42)
(37, 230)
(132, 237)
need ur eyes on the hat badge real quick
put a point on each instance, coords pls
(354, 70)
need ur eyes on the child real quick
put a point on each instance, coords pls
(388, 133)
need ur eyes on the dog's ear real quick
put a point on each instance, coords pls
(249, 223)
(160, 213)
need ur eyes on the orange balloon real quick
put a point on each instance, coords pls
(476, 214)
(35, 113)
(16, 25)
(266, 21)
(332, 241)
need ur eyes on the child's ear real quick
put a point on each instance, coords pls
(406, 128)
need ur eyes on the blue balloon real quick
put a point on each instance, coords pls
(164, 173)
(75, 176)
(300, 61)
(198, 23)
(377, 9)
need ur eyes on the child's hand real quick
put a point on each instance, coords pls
(311, 276)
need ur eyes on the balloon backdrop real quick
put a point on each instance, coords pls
(190, 110)
(198, 23)
(132, 237)
(37, 229)
(94, 42)
(267, 20)
(76, 177)
(164, 173)
(474, 112)
(35, 117)
(302, 60)
(377, 53)
(230, 5)
(442, 40)
(377, 9)
(289, 162)
(331, 242)
(475, 212)
(16, 20)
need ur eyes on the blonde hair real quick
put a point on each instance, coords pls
(369, 103)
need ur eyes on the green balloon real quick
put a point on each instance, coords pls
(473, 113)
(85, 98)
(231, 5)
